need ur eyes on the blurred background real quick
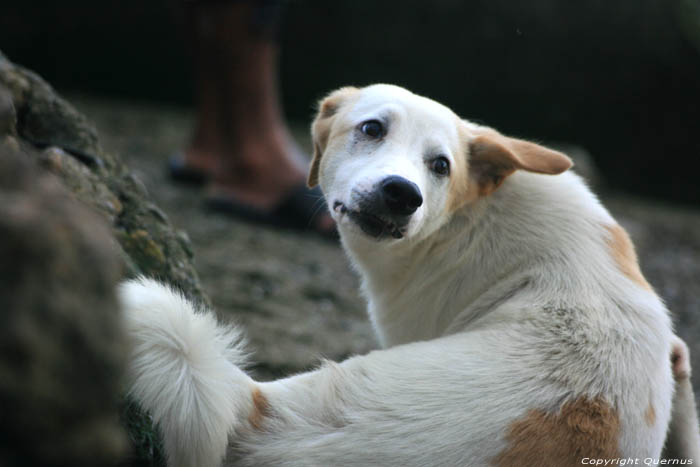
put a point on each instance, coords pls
(619, 78)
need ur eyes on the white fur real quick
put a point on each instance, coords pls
(184, 369)
(510, 304)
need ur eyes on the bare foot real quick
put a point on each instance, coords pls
(261, 173)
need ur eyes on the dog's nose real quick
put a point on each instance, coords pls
(401, 196)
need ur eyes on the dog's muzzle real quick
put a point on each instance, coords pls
(387, 209)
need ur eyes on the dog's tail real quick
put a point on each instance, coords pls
(683, 439)
(183, 369)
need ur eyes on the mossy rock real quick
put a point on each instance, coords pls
(36, 122)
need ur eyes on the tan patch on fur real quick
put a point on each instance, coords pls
(582, 428)
(261, 409)
(329, 107)
(321, 128)
(625, 256)
(492, 157)
(463, 189)
(650, 415)
(502, 155)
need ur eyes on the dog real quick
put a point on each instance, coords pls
(516, 325)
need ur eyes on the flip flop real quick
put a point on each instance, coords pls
(297, 211)
(179, 172)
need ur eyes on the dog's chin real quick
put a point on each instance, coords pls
(375, 226)
(372, 225)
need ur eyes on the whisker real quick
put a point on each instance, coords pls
(318, 206)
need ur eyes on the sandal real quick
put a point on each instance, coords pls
(298, 211)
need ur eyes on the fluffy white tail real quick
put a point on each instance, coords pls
(183, 369)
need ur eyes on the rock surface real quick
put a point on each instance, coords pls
(52, 132)
(62, 347)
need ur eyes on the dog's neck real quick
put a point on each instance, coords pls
(485, 255)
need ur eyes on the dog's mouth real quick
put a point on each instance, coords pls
(371, 224)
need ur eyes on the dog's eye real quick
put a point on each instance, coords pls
(372, 128)
(440, 165)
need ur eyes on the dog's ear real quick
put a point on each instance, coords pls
(321, 127)
(493, 157)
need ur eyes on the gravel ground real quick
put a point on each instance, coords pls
(296, 295)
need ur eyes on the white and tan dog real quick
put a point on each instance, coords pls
(517, 326)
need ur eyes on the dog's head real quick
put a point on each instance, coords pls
(394, 165)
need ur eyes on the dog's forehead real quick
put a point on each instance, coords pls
(393, 99)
